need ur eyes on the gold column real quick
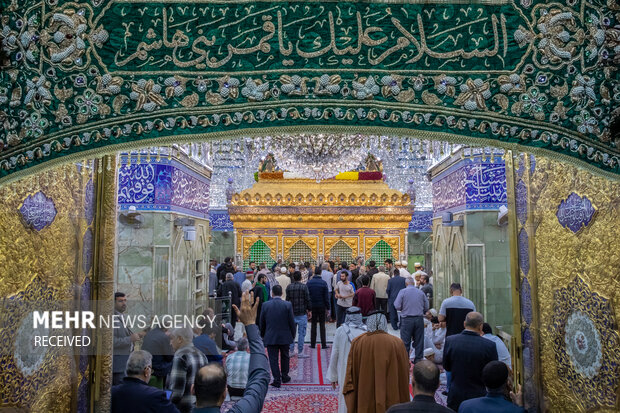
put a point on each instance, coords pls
(103, 280)
(515, 275)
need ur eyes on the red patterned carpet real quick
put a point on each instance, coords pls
(301, 399)
(309, 390)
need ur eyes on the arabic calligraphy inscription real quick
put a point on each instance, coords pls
(575, 212)
(222, 38)
(38, 211)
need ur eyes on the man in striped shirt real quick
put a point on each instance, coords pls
(186, 363)
(237, 368)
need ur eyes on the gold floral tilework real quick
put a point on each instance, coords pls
(580, 266)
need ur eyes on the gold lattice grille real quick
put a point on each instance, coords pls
(341, 252)
(300, 252)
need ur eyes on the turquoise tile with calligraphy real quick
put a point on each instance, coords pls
(98, 76)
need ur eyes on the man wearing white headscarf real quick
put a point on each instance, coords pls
(377, 370)
(352, 327)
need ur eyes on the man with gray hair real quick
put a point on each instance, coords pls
(237, 368)
(134, 394)
(186, 363)
(425, 383)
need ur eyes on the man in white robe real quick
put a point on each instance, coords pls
(352, 327)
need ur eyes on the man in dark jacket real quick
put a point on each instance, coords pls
(465, 355)
(319, 299)
(355, 272)
(134, 394)
(225, 268)
(372, 269)
(277, 326)
(425, 384)
(395, 284)
(230, 287)
(157, 343)
(297, 294)
(495, 378)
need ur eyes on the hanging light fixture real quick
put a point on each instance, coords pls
(320, 156)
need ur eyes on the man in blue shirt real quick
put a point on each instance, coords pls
(210, 383)
(239, 276)
(503, 354)
(412, 304)
(495, 378)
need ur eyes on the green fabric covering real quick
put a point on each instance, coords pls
(524, 75)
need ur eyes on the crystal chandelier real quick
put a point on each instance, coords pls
(319, 156)
(322, 156)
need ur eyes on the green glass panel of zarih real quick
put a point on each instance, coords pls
(259, 253)
(380, 252)
(200, 37)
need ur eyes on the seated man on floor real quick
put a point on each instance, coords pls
(210, 382)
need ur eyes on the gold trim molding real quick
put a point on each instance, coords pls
(103, 285)
(352, 242)
(311, 242)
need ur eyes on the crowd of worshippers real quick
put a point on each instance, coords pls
(185, 370)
